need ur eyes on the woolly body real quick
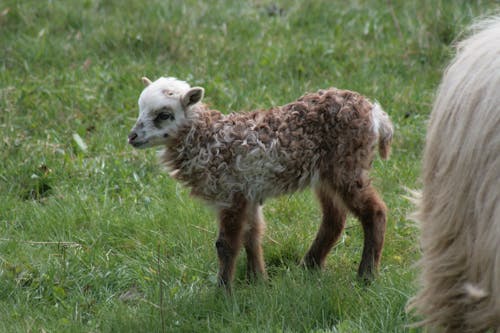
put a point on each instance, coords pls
(263, 154)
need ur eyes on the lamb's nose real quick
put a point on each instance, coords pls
(132, 136)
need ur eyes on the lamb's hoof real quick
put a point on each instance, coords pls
(224, 285)
(310, 264)
(366, 277)
(255, 278)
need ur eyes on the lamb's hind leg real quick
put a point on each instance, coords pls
(255, 226)
(369, 208)
(334, 216)
(228, 243)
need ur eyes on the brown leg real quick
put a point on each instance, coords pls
(229, 241)
(255, 225)
(334, 216)
(366, 204)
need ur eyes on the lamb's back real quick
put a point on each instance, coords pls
(266, 153)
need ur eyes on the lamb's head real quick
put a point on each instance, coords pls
(164, 105)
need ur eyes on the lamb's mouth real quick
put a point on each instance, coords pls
(139, 144)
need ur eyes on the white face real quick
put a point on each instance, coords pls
(162, 109)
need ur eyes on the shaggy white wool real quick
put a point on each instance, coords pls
(459, 208)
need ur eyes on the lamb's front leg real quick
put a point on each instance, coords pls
(254, 230)
(229, 242)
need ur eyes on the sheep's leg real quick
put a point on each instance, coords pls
(366, 204)
(228, 243)
(334, 216)
(252, 240)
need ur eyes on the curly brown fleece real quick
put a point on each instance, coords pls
(325, 139)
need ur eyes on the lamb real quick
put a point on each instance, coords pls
(325, 140)
(459, 206)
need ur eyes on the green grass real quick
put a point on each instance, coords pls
(101, 240)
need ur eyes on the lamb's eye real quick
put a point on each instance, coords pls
(164, 116)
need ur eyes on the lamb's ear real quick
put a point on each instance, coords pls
(193, 96)
(146, 81)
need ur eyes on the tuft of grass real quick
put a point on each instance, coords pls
(82, 215)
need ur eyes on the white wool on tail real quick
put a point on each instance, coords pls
(383, 128)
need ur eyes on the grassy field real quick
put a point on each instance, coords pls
(94, 237)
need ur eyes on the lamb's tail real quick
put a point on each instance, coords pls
(384, 130)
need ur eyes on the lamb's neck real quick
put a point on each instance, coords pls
(188, 140)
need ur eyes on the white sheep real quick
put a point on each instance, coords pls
(459, 206)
